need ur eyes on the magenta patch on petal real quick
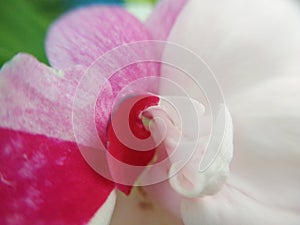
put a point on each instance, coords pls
(46, 181)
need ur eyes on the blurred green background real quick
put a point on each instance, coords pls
(24, 23)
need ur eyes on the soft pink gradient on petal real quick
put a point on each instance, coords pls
(45, 181)
(163, 17)
(266, 162)
(82, 35)
(37, 99)
(264, 184)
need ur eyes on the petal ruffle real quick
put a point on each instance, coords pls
(243, 42)
(46, 181)
(162, 19)
(190, 182)
(81, 36)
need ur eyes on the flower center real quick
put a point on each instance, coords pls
(121, 139)
(131, 142)
(129, 139)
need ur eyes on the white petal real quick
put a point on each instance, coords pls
(243, 42)
(265, 181)
(266, 163)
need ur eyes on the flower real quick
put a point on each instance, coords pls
(254, 54)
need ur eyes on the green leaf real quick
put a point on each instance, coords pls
(23, 25)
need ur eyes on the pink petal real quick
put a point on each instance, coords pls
(163, 18)
(37, 99)
(82, 35)
(243, 42)
(46, 181)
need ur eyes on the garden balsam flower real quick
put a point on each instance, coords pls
(252, 47)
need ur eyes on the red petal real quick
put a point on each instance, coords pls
(116, 146)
